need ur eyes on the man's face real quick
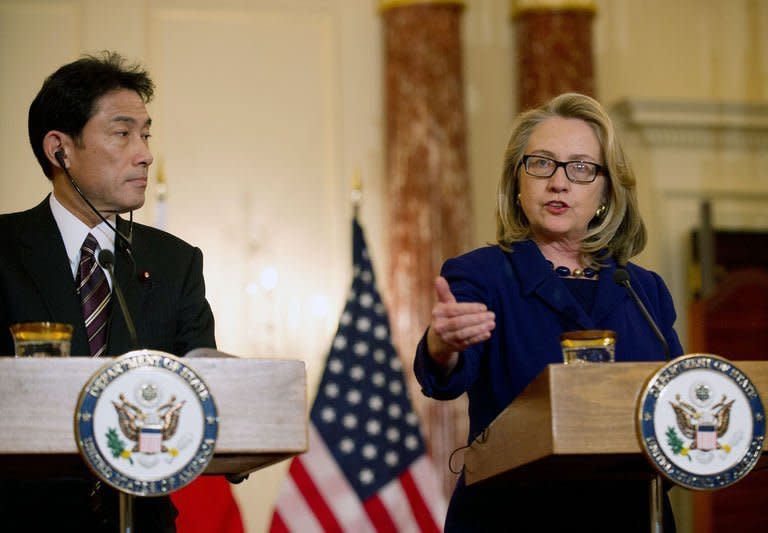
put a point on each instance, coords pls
(110, 163)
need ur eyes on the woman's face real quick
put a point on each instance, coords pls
(557, 209)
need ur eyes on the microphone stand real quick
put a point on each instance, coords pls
(656, 494)
(656, 488)
(126, 512)
(106, 259)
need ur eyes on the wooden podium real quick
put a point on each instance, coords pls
(576, 422)
(262, 407)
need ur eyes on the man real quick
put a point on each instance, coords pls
(89, 129)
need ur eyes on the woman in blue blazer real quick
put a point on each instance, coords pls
(567, 217)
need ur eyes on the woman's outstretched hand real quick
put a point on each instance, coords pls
(455, 326)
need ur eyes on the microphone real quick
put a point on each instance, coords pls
(621, 277)
(106, 260)
(124, 242)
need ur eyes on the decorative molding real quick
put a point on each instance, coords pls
(386, 5)
(750, 203)
(695, 124)
(520, 7)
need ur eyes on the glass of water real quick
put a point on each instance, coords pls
(42, 339)
(588, 346)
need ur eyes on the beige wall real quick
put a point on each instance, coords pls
(266, 108)
(687, 49)
(700, 50)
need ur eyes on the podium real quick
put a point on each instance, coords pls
(576, 422)
(262, 407)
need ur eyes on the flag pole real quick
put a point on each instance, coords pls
(357, 193)
(161, 207)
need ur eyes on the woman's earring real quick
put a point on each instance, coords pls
(601, 211)
(518, 198)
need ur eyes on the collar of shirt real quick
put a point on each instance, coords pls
(73, 232)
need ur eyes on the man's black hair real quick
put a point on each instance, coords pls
(68, 97)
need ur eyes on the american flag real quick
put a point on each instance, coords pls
(366, 468)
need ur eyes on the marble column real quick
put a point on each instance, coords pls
(554, 49)
(429, 205)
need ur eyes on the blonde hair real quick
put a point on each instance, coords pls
(620, 230)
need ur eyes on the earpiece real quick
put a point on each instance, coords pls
(125, 242)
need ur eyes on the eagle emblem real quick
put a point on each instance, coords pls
(146, 423)
(148, 429)
(703, 426)
(701, 422)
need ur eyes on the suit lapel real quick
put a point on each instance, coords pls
(45, 259)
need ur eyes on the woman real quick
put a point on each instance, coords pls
(567, 217)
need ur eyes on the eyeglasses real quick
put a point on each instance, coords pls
(576, 171)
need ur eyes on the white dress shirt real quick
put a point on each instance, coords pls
(74, 231)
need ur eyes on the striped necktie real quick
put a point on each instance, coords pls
(94, 296)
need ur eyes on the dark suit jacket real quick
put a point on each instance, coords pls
(170, 313)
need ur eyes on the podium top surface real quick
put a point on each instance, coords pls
(262, 406)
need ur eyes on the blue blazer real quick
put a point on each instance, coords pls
(533, 307)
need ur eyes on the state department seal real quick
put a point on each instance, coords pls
(701, 422)
(146, 423)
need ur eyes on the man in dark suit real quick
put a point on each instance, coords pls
(89, 129)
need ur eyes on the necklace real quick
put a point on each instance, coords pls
(565, 272)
